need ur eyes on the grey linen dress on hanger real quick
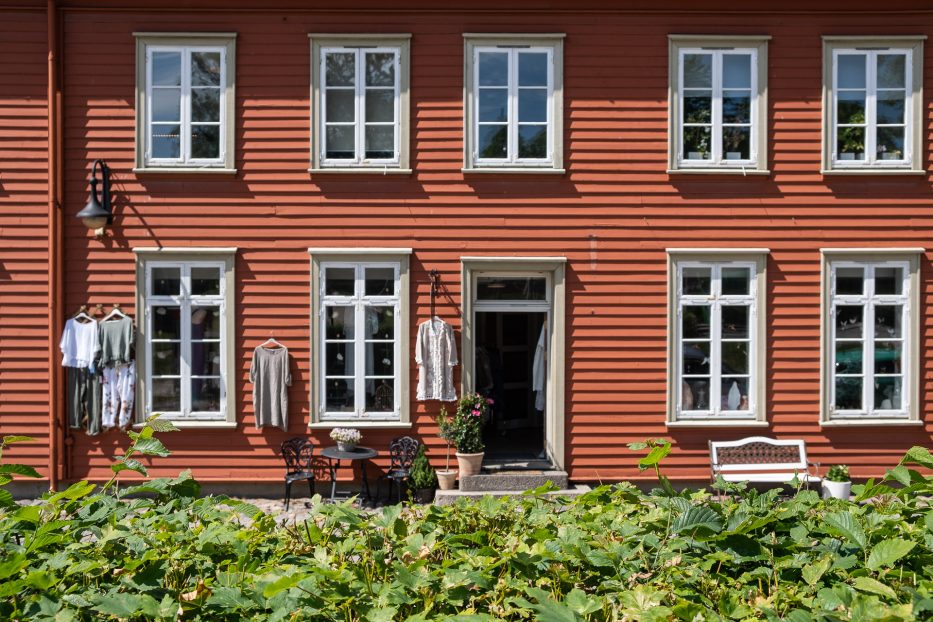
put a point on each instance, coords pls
(270, 375)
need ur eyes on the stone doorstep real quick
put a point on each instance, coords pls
(516, 481)
(449, 497)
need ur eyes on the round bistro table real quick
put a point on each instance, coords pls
(362, 454)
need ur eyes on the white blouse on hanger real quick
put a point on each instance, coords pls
(436, 356)
(79, 344)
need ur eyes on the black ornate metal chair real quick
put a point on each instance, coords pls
(297, 455)
(402, 452)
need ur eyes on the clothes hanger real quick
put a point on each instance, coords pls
(116, 312)
(271, 341)
(82, 315)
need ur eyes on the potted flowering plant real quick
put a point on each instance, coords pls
(837, 484)
(347, 438)
(465, 430)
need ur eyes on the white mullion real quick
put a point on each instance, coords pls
(185, 121)
(359, 343)
(868, 346)
(871, 118)
(184, 350)
(512, 128)
(716, 132)
(715, 318)
(397, 95)
(359, 128)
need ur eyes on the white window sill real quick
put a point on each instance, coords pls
(725, 170)
(362, 425)
(187, 425)
(360, 170)
(513, 170)
(175, 170)
(846, 423)
(872, 171)
(717, 423)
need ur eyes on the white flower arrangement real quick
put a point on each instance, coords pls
(346, 436)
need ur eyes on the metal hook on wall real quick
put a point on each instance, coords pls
(435, 277)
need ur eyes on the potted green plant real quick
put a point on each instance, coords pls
(837, 484)
(465, 430)
(422, 478)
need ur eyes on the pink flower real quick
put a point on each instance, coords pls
(489, 400)
(475, 413)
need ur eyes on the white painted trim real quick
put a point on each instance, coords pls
(359, 37)
(187, 35)
(201, 250)
(704, 251)
(719, 423)
(846, 423)
(870, 38)
(514, 35)
(204, 424)
(873, 251)
(358, 251)
(526, 259)
(363, 425)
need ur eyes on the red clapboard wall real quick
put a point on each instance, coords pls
(612, 215)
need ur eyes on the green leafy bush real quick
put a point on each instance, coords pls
(612, 554)
(465, 428)
(838, 473)
(422, 474)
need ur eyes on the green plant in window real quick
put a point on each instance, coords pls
(852, 139)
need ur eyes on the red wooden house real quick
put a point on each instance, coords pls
(715, 223)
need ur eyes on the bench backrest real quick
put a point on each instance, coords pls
(757, 453)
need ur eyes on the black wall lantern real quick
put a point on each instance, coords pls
(98, 213)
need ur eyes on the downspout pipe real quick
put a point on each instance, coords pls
(55, 309)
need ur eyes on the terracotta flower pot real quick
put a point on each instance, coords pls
(446, 480)
(470, 464)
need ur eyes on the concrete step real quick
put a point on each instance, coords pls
(448, 497)
(512, 480)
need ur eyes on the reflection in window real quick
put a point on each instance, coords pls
(511, 288)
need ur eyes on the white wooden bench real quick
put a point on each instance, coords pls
(758, 459)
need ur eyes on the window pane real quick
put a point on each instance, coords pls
(734, 392)
(493, 69)
(850, 281)
(736, 281)
(205, 281)
(380, 142)
(166, 105)
(890, 107)
(734, 322)
(532, 141)
(340, 69)
(339, 281)
(340, 106)
(890, 143)
(736, 71)
(339, 395)
(205, 323)
(380, 323)
(511, 288)
(166, 395)
(532, 69)
(697, 143)
(695, 394)
(848, 393)
(166, 323)
(380, 106)
(380, 282)
(205, 394)
(849, 322)
(340, 142)
(205, 359)
(380, 395)
(851, 71)
(698, 71)
(166, 141)
(892, 72)
(380, 69)
(888, 357)
(166, 360)
(850, 108)
(205, 141)
(493, 141)
(696, 281)
(166, 281)
(205, 105)
(889, 281)
(532, 105)
(849, 357)
(734, 357)
(380, 359)
(888, 393)
(340, 322)
(166, 69)
(338, 359)
(493, 104)
(737, 143)
(698, 107)
(736, 107)
(888, 321)
(696, 322)
(696, 358)
(205, 69)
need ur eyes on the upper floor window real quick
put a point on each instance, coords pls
(873, 104)
(718, 116)
(514, 91)
(185, 101)
(870, 331)
(360, 102)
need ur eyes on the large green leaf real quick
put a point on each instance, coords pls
(19, 469)
(873, 586)
(129, 464)
(846, 525)
(9, 440)
(151, 447)
(886, 552)
(919, 455)
(697, 519)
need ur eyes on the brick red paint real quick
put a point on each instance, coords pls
(612, 215)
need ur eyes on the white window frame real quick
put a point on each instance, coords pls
(359, 123)
(719, 45)
(914, 126)
(185, 44)
(513, 45)
(755, 261)
(869, 259)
